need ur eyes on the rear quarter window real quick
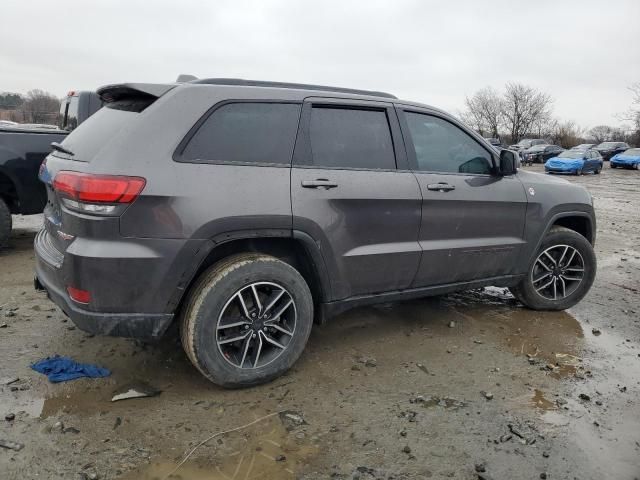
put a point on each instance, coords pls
(246, 132)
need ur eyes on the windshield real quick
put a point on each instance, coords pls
(583, 146)
(634, 152)
(608, 145)
(525, 143)
(537, 148)
(571, 154)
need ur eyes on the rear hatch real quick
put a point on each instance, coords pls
(67, 214)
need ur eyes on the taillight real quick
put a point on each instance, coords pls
(96, 193)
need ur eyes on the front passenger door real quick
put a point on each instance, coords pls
(472, 220)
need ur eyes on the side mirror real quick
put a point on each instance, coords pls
(509, 162)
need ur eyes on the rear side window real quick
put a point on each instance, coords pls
(247, 133)
(351, 138)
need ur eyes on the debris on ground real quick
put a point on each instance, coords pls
(487, 395)
(11, 445)
(585, 397)
(10, 417)
(61, 369)
(292, 420)
(368, 361)
(596, 331)
(452, 324)
(135, 390)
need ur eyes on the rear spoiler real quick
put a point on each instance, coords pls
(122, 91)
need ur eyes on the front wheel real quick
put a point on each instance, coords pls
(5, 223)
(561, 273)
(613, 166)
(247, 320)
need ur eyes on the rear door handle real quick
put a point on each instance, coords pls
(319, 183)
(440, 187)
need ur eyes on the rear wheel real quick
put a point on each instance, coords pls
(597, 170)
(5, 223)
(561, 273)
(247, 320)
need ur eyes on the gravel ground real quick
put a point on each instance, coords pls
(462, 386)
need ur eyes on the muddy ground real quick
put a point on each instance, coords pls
(391, 391)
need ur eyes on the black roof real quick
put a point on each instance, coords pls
(297, 86)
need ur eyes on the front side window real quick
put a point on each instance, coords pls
(247, 133)
(351, 138)
(440, 146)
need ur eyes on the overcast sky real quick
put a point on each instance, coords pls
(584, 53)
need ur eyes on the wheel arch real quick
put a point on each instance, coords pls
(298, 250)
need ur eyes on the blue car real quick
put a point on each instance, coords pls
(575, 162)
(627, 159)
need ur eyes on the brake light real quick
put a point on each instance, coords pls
(79, 296)
(88, 188)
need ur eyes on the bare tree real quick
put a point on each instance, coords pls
(484, 111)
(602, 133)
(522, 108)
(566, 134)
(40, 107)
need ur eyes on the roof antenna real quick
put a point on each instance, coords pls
(185, 78)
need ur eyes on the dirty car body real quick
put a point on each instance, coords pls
(167, 182)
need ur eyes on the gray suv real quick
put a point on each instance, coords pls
(246, 210)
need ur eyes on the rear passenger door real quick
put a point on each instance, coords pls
(472, 220)
(353, 193)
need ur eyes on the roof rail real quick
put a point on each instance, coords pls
(298, 86)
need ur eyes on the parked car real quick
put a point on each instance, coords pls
(627, 159)
(526, 143)
(540, 153)
(494, 142)
(609, 149)
(245, 209)
(584, 146)
(7, 123)
(22, 149)
(575, 161)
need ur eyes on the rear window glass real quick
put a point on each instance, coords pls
(69, 114)
(247, 133)
(92, 134)
(351, 138)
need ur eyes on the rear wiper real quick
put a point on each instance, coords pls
(60, 148)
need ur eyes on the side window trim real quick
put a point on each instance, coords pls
(303, 156)
(178, 152)
(411, 156)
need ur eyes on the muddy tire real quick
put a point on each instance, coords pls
(5, 223)
(247, 320)
(561, 273)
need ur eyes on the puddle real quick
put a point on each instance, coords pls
(539, 401)
(265, 451)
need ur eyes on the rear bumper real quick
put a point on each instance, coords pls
(132, 325)
(55, 272)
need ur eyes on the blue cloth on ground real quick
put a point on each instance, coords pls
(61, 369)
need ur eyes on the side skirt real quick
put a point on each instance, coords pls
(331, 309)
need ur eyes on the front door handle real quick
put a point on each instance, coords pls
(319, 183)
(440, 187)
